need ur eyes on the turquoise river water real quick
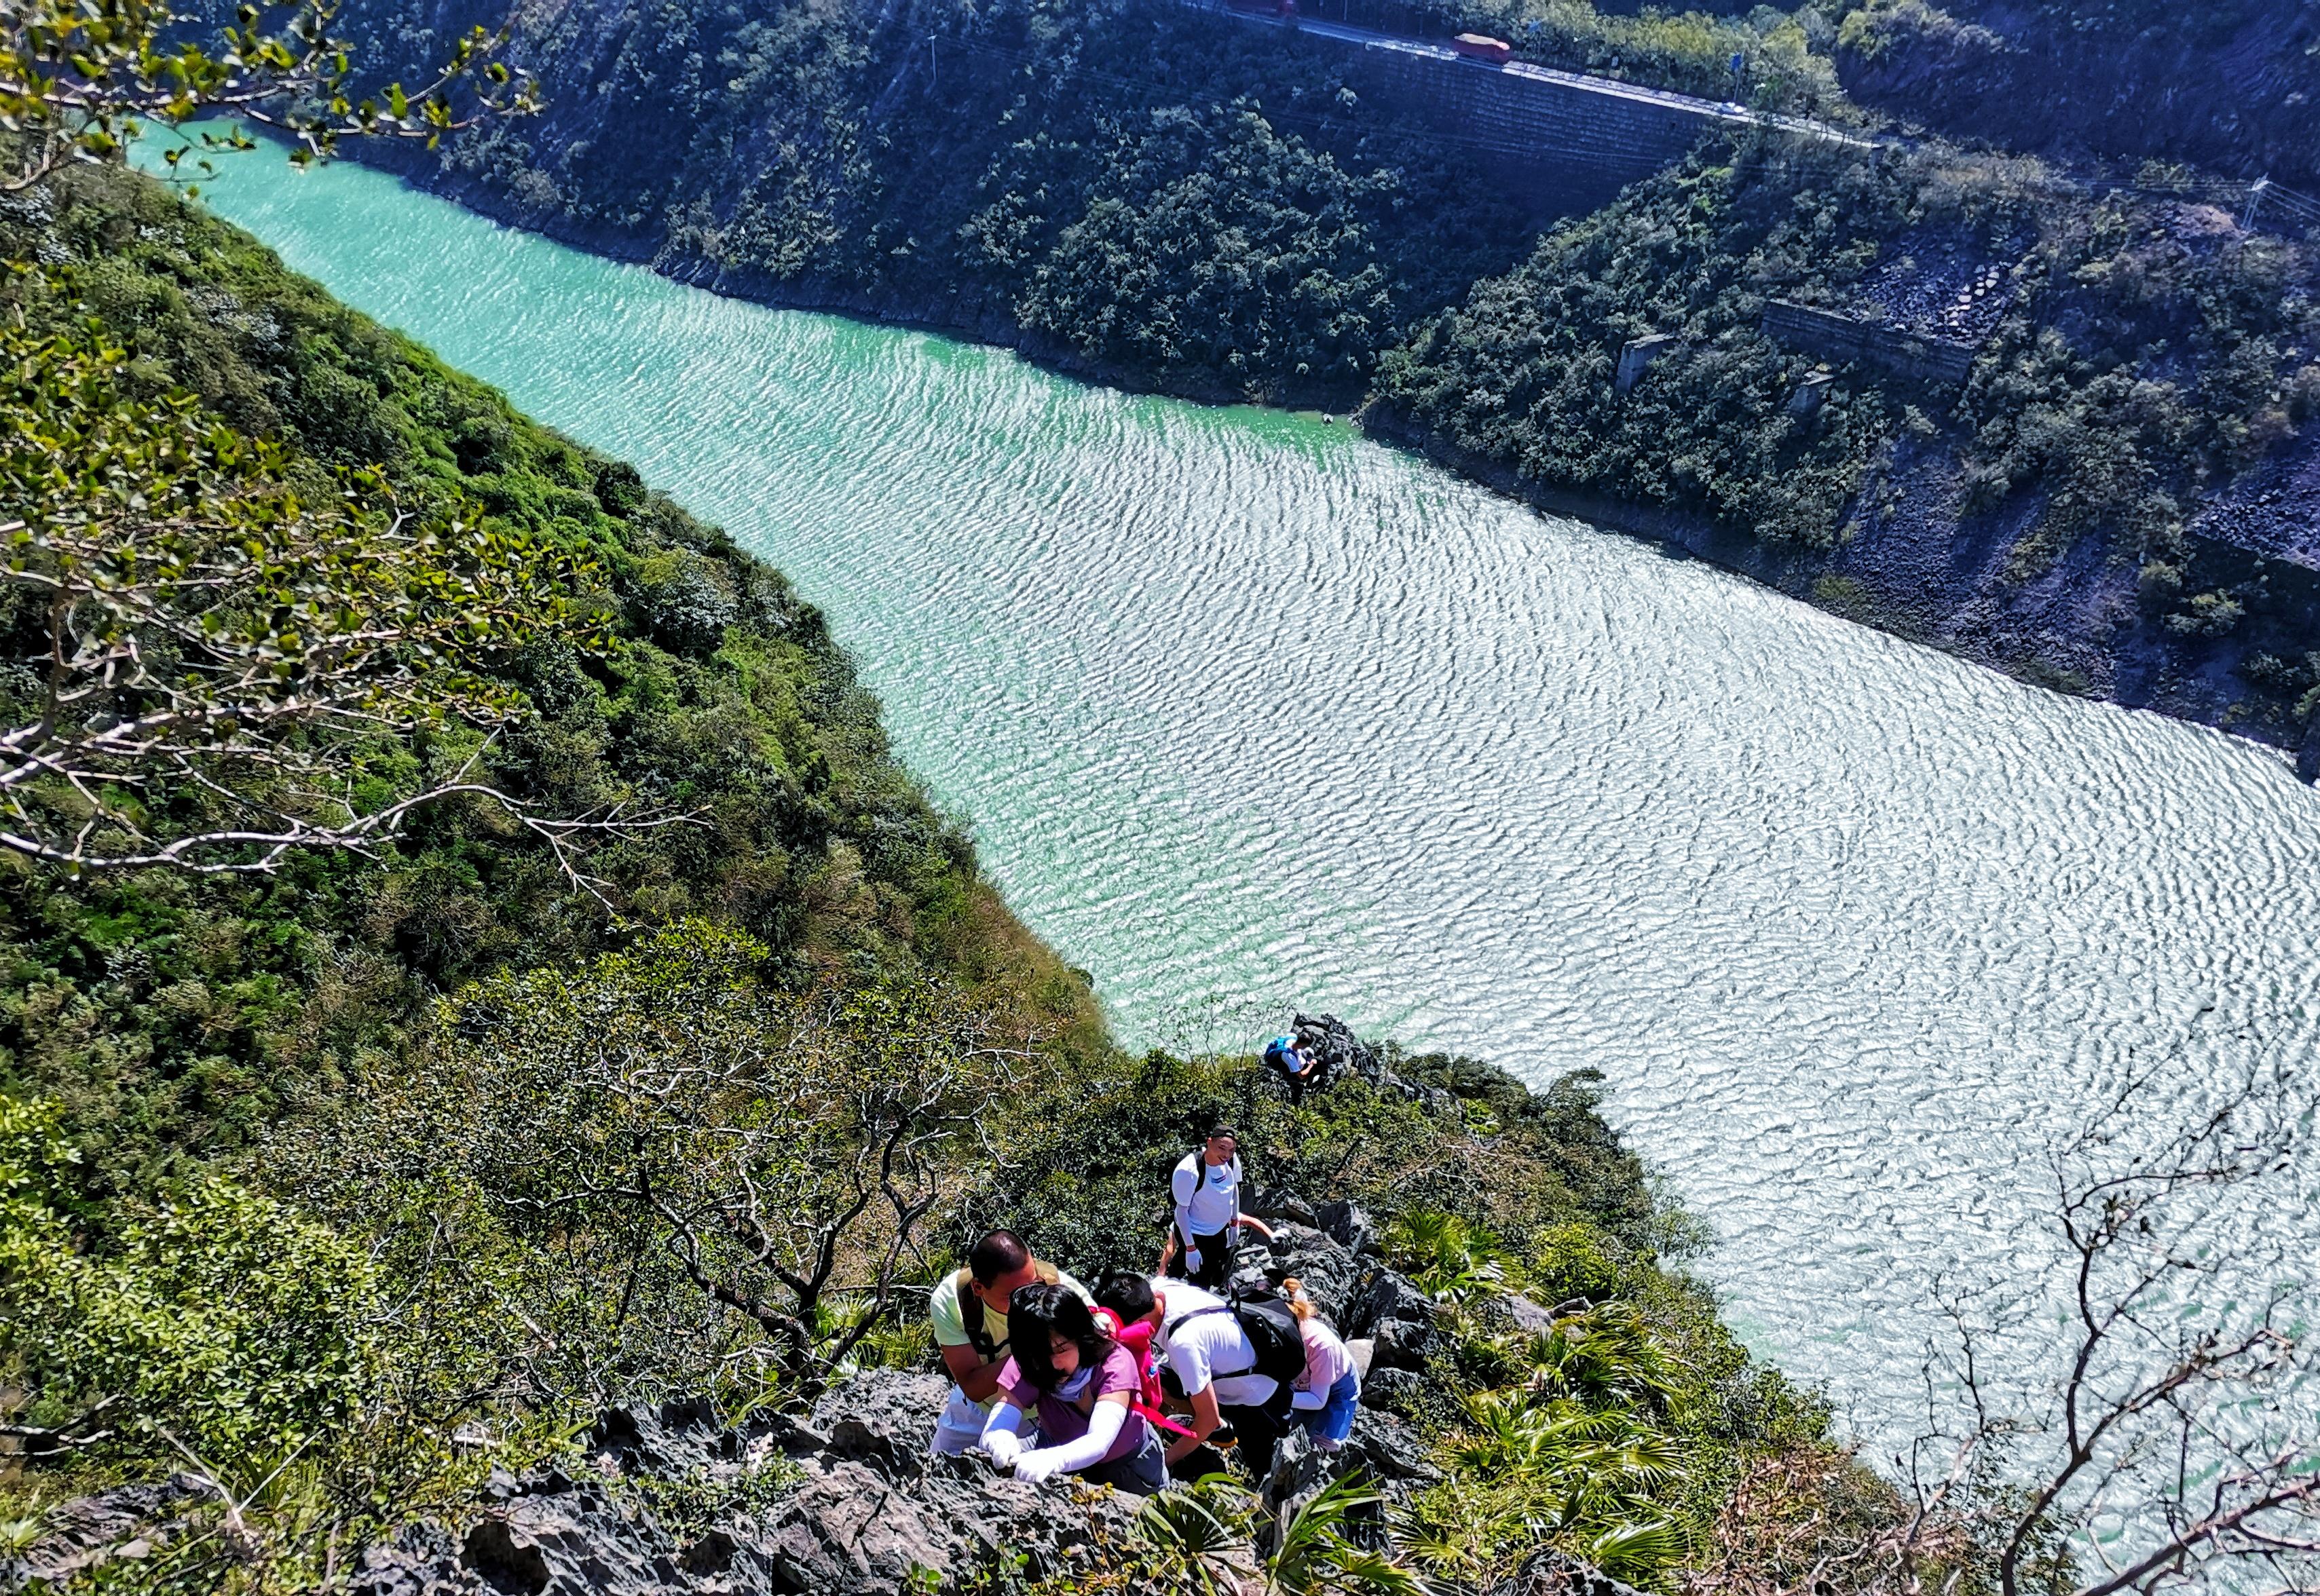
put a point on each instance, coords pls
(1247, 713)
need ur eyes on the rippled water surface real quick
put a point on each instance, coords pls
(1243, 707)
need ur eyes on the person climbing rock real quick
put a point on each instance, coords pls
(1206, 1189)
(1082, 1387)
(968, 1312)
(1325, 1397)
(1211, 1364)
(1296, 1066)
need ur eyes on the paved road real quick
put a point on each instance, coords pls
(1726, 112)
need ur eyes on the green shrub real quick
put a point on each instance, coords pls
(1573, 1260)
(219, 1324)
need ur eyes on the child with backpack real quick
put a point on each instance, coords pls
(1085, 1388)
(1230, 1361)
(1327, 1396)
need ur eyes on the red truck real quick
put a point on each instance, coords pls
(1481, 47)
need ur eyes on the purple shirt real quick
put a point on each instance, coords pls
(1061, 1420)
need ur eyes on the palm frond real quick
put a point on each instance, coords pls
(1633, 1551)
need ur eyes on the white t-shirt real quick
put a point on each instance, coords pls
(1206, 1348)
(1208, 1196)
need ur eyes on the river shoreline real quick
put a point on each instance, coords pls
(1839, 915)
(1954, 620)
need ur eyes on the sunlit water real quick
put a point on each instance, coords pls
(1246, 712)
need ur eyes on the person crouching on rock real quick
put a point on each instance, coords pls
(1326, 1396)
(1211, 1367)
(1206, 1193)
(969, 1313)
(1300, 1067)
(1082, 1385)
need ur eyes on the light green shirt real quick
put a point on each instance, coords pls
(949, 1320)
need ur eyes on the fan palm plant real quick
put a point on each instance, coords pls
(1449, 1259)
(1315, 1554)
(1603, 1356)
(1197, 1539)
(1536, 1467)
(1200, 1540)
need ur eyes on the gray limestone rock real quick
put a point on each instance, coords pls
(869, 1513)
(1402, 1344)
(1327, 1270)
(849, 1532)
(1349, 1225)
(1332, 1044)
(1384, 1296)
(884, 1418)
(123, 1522)
(1390, 1451)
(1528, 1317)
(1400, 1392)
(673, 1439)
(1281, 1204)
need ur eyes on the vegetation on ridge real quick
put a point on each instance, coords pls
(345, 1179)
(178, 1018)
(306, 1174)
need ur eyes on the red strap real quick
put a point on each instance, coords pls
(1137, 1340)
(1152, 1415)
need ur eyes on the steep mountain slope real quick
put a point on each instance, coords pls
(324, 1196)
(1165, 197)
(177, 1017)
(2234, 86)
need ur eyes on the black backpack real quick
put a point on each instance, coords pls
(1265, 1319)
(1270, 1327)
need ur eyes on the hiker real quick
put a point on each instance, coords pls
(1206, 1187)
(1325, 1396)
(1083, 1388)
(1212, 1364)
(1300, 1067)
(969, 1314)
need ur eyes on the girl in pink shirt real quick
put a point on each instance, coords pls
(1325, 1395)
(1081, 1384)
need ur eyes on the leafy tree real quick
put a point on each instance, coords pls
(779, 1153)
(217, 1325)
(78, 76)
(217, 658)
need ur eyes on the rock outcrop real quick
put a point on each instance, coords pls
(1332, 1044)
(851, 1507)
(845, 1503)
(670, 1501)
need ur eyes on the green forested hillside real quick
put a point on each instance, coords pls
(177, 1017)
(1166, 196)
(344, 1184)
(2232, 86)
(1129, 188)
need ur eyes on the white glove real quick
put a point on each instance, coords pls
(1004, 1447)
(1192, 1260)
(1037, 1467)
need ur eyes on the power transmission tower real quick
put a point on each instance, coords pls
(2255, 201)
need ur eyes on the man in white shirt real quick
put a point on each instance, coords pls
(1210, 1359)
(1206, 1190)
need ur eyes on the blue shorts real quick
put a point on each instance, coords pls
(1334, 1422)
